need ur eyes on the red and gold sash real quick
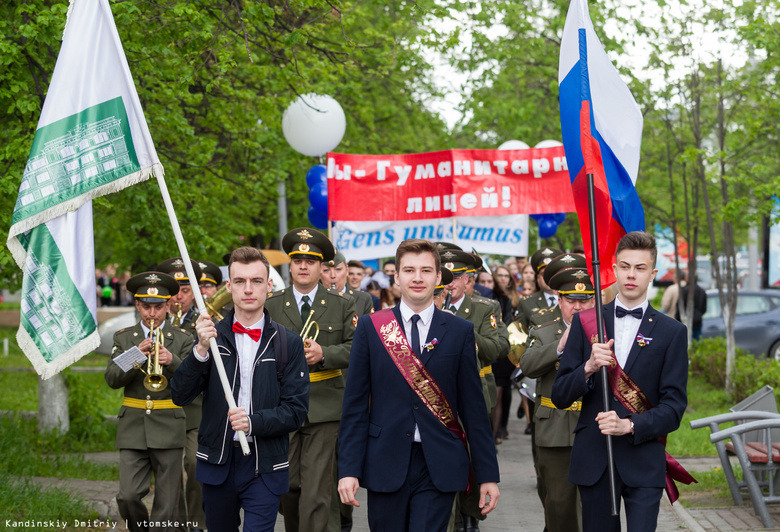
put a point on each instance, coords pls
(631, 396)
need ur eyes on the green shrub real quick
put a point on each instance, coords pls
(708, 360)
(21, 500)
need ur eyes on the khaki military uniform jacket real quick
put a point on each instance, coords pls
(553, 427)
(335, 314)
(139, 428)
(194, 410)
(363, 302)
(529, 305)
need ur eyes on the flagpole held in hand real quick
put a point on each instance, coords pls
(201, 304)
(594, 244)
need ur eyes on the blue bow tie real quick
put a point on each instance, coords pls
(620, 312)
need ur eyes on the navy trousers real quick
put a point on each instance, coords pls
(258, 496)
(642, 506)
(417, 507)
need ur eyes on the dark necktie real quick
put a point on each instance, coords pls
(416, 335)
(305, 309)
(620, 312)
(254, 334)
(453, 309)
(552, 301)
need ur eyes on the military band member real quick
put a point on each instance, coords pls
(182, 313)
(334, 276)
(554, 428)
(545, 297)
(151, 431)
(210, 278)
(307, 505)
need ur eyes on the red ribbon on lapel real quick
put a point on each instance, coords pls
(631, 396)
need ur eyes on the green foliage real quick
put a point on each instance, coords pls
(750, 374)
(90, 400)
(21, 500)
(713, 482)
(704, 400)
(214, 79)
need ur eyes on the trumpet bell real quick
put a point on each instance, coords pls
(518, 338)
(155, 382)
(215, 303)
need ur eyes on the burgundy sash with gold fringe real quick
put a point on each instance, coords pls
(631, 396)
(416, 374)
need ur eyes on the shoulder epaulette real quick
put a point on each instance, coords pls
(126, 329)
(276, 293)
(184, 331)
(545, 324)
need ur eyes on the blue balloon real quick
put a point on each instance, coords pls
(547, 228)
(318, 219)
(559, 217)
(538, 217)
(316, 174)
(318, 196)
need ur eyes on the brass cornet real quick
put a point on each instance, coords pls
(518, 338)
(307, 327)
(155, 381)
(215, 303)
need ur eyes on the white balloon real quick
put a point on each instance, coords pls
(514, 145)
(314, 124)
(549, 144)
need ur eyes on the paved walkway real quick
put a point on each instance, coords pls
(519, 509)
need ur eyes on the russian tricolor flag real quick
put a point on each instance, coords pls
(602, 135)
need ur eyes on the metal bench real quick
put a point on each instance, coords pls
(723, 447)
(758, 460)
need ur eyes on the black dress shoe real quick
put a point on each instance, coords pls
(346, 524)
(470, 524)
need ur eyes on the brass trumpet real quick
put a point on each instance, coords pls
(307, 327)
(518, 338)
(177, 318)
(155, 381)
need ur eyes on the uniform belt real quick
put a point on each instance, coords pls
(324, 375)
(576, 406)
(484, 371)
(149, 405)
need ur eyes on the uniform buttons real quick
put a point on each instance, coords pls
(415, 407)
(409, 433)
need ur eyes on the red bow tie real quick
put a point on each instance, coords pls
(254, 334)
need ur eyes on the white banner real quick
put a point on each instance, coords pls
(495, 235)
(92, 139)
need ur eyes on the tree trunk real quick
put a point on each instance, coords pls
(53, 405)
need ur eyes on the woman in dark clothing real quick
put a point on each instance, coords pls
(505, 292)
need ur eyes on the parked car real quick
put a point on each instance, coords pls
(757, 323)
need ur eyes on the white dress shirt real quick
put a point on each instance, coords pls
(626, 329)
(299, 297)
(423, 326)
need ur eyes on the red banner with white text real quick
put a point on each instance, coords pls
(423, 186)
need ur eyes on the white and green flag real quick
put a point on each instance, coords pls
(92, 139)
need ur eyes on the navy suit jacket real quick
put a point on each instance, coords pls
(380, 411)
(660, 368)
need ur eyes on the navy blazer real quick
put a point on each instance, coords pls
(380, 411)
(660, 368)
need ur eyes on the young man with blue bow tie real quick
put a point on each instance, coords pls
(646, 355)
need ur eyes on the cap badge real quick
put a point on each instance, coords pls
(449, 255)
(203, 266)
(568, 258)
(579, 287)
(548, 260)
(579, 274)
(152, 278)
(449, 265)
(303, 247)
(178, 275)
(178, 262)
(152, 291)
(547, 251)
(305, 234)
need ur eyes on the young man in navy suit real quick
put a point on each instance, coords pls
(412, 375)
(650, 360)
